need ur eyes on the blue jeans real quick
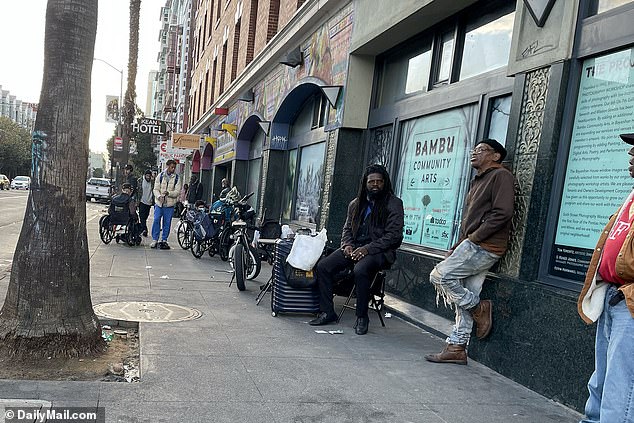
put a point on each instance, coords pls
(458, 279)
(611, 385)
(166, 213)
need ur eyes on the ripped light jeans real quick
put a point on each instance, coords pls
(458, 279)
(611, 385)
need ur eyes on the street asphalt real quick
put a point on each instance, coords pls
(238, 363)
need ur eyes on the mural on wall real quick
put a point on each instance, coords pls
(325, 57)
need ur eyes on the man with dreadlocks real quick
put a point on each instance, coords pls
(484, 234)
(372, 233)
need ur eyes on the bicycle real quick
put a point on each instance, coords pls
(245, 261)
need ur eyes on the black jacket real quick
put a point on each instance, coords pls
(385, 239)
(194, 192)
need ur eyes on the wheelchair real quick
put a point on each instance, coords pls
(119, 225)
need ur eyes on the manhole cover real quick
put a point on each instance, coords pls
(137, 311)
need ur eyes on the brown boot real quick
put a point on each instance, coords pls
(483, 316)
(456, 354)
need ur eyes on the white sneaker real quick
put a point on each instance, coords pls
(153, 244)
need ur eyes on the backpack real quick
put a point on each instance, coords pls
(204, 227)
(161, 179)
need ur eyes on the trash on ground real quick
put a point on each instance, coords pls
(330, 332)
(165, 277)
(105, 327)
(148, 267)
(388, 315)
(224, 271)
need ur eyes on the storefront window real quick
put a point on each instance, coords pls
(433, 175)
(253, 181)
(487, 47)
(597, 180)
(499, 118)
(309, 182)
(380, 148)
(289, 184)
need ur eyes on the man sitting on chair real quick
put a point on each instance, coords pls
(372, 233)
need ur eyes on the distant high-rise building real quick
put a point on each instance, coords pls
(151, 88)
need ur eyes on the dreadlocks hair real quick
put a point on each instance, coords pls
(379, 212)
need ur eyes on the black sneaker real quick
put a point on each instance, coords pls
(164, 245)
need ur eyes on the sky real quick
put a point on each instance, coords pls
(22, 46)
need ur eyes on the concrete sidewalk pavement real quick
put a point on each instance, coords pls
(237, 363)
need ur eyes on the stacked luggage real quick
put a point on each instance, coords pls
(285, 298)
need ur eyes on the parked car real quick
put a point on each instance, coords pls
(99, 189)
(4, 182)
(21, 182)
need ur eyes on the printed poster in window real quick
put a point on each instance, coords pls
(434, 174)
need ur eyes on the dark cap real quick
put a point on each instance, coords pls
(628, 138)
(148, 172)
(126, 186)
(128, 167)
(499, 148)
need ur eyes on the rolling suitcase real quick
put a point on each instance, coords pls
(285, 298)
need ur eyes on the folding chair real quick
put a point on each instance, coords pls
(377, 295)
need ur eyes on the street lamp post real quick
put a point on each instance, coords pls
(119, 112)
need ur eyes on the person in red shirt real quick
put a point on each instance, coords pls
(609, 281)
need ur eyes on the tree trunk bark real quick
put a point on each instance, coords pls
(130, 92)
(48, 310)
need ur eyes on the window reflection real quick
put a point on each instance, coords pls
(499, 118)
(309, 182)
(289, 184)
(446, 55)
(487, 47)
(418, 73)
(604, 5)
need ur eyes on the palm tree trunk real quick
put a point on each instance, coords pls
(48, 310)
(130, 93)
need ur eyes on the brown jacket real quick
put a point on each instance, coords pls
(592, 297)
(488, 210)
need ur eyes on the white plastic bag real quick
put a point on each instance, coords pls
(306, 250)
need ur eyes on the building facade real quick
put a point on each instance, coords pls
(292, 99)
(19, 111)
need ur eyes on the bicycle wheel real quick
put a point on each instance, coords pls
(197, 247)
(224, 243)
(239, 266)
(105, 233)
(255, 264)
(184, 234)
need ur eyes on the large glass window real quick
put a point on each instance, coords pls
(487, 47)
(253, 181)
(309, 182)
(597, 180)
(406, 72)
(289, 184)
(433, 175)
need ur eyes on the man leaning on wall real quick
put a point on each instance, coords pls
(484, 234)
(607, 297)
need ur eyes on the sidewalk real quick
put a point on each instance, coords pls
(237, 363)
